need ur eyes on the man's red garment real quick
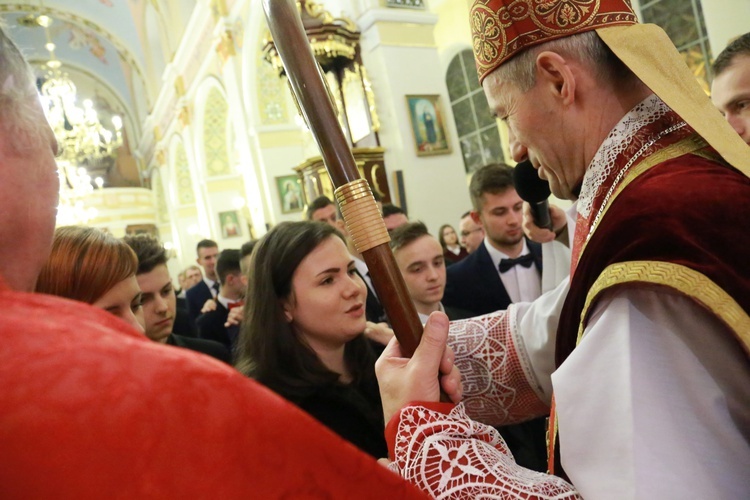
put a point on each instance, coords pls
(90, 408)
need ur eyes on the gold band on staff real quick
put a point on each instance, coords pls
(361, 214)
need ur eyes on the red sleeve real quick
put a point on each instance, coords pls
(89, 411)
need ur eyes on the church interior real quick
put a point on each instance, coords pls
(176, 117)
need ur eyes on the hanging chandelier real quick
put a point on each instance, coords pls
(75, 189)
(82, 137)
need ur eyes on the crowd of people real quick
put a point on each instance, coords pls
(624, 376)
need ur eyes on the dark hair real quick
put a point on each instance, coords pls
(391, 209)
(317, 204)
(406, 233)
(268, 349)
(228, 263)
(247, 248)
(494, 179)
(441, 239)
(205, 244)
(465, 214)
(149, 250)
(738, 47)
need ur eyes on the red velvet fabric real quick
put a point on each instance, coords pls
(92, 409)
(689, 211)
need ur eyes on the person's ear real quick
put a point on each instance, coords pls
(288, 307)
(555, 71)
(475, 217)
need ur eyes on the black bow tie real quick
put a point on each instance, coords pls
(523, 260)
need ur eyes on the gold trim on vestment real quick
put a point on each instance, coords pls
(687, 281)
(688, 145)
(648, 52)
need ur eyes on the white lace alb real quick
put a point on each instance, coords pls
(644, 113)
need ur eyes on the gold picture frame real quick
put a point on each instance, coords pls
(428, 125)
(290, 193)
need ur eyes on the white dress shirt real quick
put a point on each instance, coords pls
(211, 283)
(523, 284)
(365, 273)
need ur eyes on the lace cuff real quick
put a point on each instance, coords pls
(448, 455)
(499, 386)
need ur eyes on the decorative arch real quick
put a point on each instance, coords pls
(158, 188)
(183, 192)
(125, 52)
(262, 86)
(156, 39)
(183, 9)
(213, 144)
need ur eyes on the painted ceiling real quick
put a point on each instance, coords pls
(114, 43)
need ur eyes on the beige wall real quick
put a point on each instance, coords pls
(405, 52)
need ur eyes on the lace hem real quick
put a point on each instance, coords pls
(452, 456)
(499, 384)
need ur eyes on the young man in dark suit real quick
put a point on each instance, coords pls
(421, 260)
(208, 288)
(506, 267)
(211, 324)
(159, 301)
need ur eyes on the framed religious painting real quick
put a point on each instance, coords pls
(230, 224)
(290, 193)
(428, 125)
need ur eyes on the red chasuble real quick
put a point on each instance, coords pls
(670, 214)
(689, 213)
(90, 408)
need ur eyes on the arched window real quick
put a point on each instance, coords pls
(477, 129)
(684, 23)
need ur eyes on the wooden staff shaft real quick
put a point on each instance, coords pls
(363, 221)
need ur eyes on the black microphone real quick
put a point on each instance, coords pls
(535, 191)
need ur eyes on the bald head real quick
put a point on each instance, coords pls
(28, 173)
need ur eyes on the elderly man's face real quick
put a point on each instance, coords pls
(472, 233)
(193, 276)
(541, 129)
(29, 187)
(730, 92)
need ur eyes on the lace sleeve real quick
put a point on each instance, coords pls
(500, 387)
(451, 456)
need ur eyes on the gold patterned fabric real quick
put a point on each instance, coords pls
(680, 278)
(503, 28)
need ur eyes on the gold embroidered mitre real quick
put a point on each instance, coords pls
(503, 28)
